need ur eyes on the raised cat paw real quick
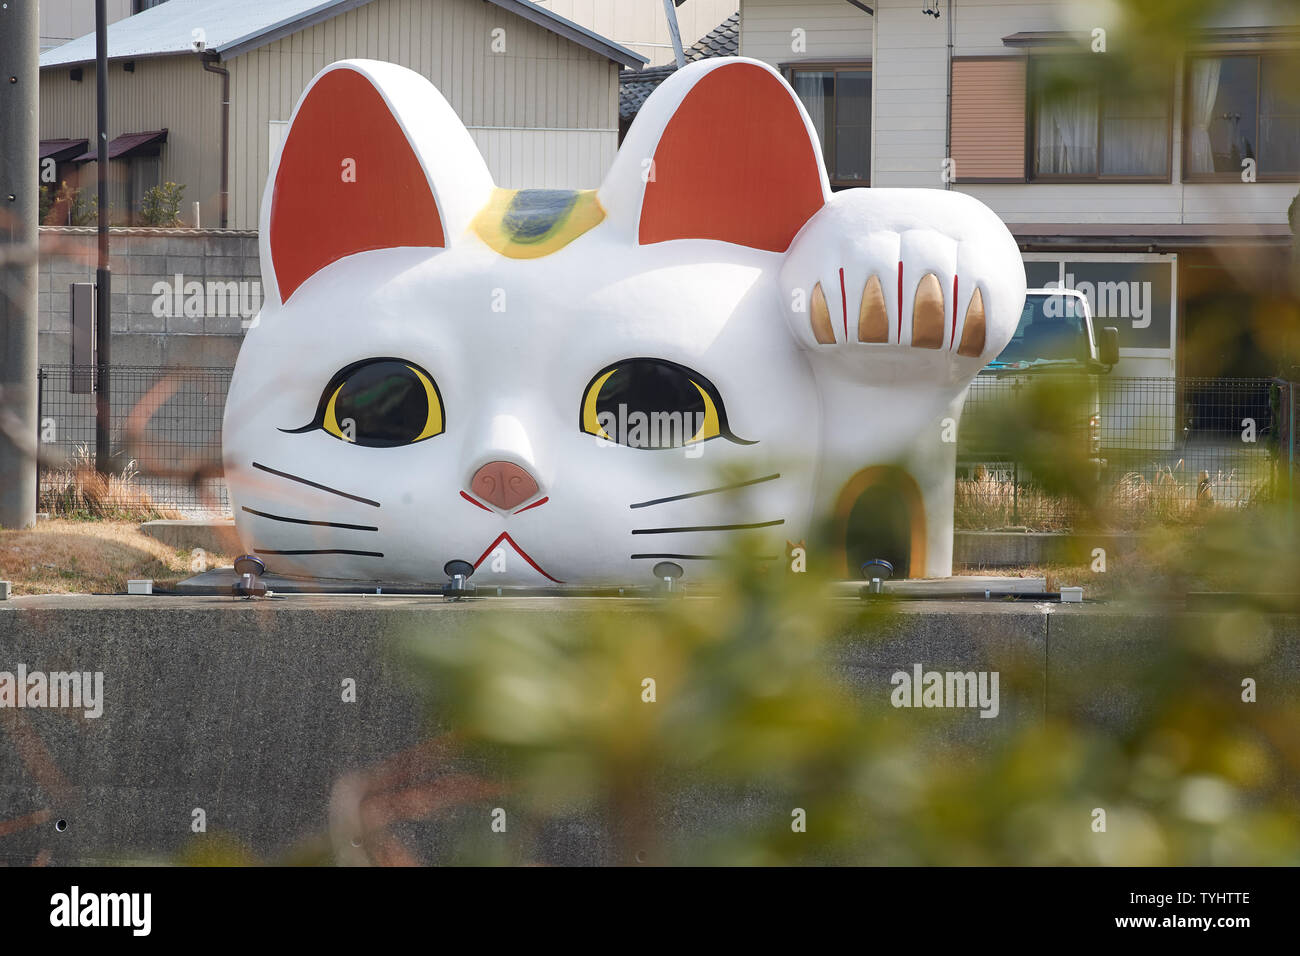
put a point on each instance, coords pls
(933, 271)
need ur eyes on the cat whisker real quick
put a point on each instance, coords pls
(706, 491)
(318, 551)
(695, 557)
(314, 484)
(320, 524)
(710, 527)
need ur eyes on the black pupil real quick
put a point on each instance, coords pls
(386, 403)
(652, 389)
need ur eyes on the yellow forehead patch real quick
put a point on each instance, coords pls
(530, 223)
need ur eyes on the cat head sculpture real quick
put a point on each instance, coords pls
(573, 386)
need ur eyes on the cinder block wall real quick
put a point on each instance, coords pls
(139, 259)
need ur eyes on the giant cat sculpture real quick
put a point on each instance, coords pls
(566, 387)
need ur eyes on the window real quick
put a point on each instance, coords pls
(1085, 128)
(1240, 107)
(838, 100)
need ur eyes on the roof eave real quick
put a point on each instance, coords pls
(572, 31)
(286, 27)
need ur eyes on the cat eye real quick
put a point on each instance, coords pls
(380, 403)
(653, 403)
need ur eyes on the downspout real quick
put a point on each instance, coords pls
(208, 60)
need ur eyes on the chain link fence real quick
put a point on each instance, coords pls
(165, 435)
(1033, 447)
(1152, 449)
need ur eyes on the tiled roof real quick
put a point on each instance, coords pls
(722, 40)
(635, 86)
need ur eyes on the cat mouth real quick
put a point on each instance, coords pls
(504, 536)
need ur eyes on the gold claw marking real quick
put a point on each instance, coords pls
(927, 314)
(972, 332)
(821, 317)
(873, 317)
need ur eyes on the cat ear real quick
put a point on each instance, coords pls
(374, 158)
(721, 150)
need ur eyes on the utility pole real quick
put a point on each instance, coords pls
(670, 11)
(19, 185)
(103, 276)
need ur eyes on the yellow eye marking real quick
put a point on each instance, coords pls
(531, 223)
(590, 424)
(331, 422)
(709, 428)
(434, 425)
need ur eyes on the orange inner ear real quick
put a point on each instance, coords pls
(348, 181)
(735, 163)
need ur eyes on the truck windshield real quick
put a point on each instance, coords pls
(1052, 328)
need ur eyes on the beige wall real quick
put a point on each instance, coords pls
(641, 25)
(831, 29)
(64, 20)
(171, 92)
(565, 96)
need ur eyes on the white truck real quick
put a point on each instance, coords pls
(1056, 336)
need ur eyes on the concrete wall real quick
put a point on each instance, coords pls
(235, 707)
(140, 259)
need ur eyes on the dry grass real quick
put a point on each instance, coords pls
(64, 556)
(1170, 497)
(76, 490)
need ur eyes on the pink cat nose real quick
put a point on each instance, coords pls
(503, 484)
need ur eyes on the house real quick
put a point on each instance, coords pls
(1148, 188)
(642, 26)
(538, 91)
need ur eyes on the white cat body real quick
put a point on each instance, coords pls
(500, 340)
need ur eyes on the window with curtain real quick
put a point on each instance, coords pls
(838, 101)
(1086, 129)
(1242, 106)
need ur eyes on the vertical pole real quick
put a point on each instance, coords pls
(19, 186)
(103, 276)
(670, 11)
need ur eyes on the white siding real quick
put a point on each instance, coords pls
(546, 158)
(832, 30)
(641, 25)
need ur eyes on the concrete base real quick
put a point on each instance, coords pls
(1026, 549)
(972, 550)
(234, 708)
